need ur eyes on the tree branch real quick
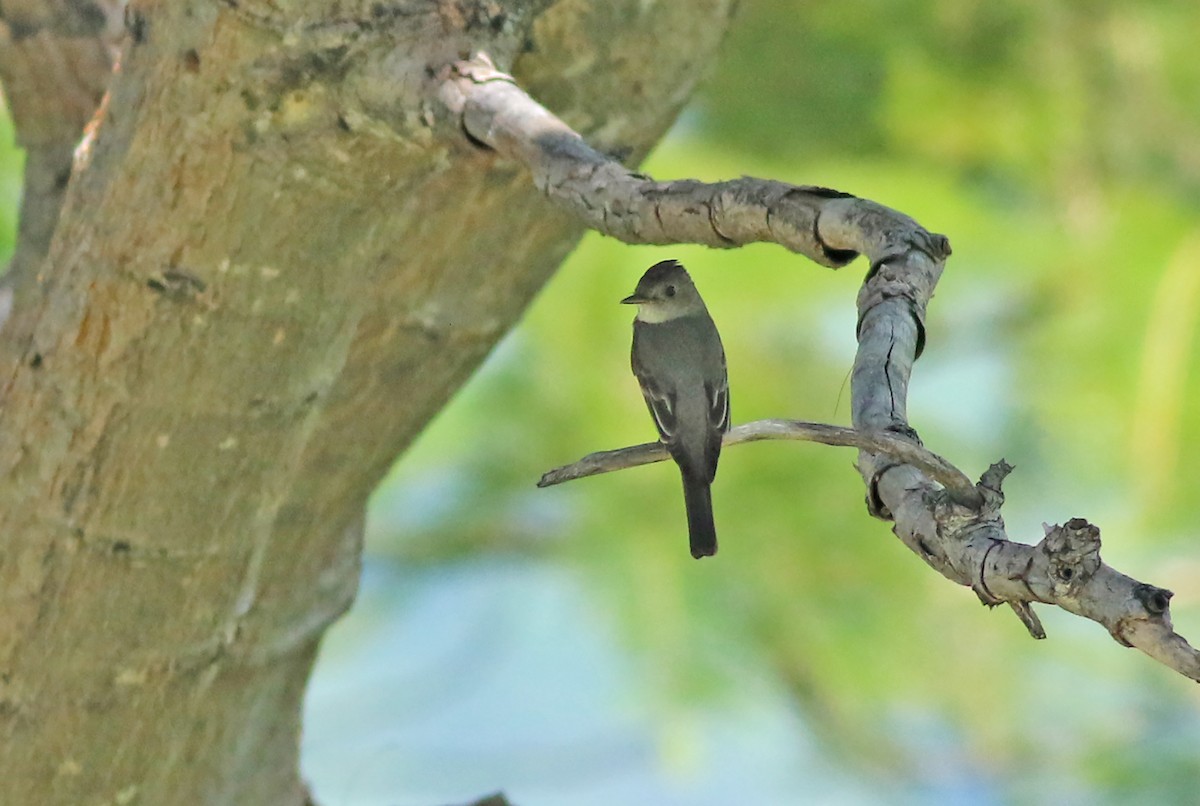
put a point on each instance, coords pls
(971, 546)
(953, 526)
(902, 450)
(822, 224)
(55, 61)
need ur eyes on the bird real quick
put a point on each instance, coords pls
(679, 363)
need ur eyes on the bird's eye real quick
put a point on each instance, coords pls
(670, 291)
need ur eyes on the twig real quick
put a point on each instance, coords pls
(899, 448)
(958, 533)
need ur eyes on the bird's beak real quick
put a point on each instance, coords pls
(634, 299)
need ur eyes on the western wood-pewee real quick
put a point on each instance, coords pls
(680, 364)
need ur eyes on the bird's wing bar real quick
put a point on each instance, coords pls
(718, 423)
(718, 405)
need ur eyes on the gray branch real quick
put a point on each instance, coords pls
(822, 224)
(954, 526)
(900, 449)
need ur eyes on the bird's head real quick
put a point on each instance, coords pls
(665, 292)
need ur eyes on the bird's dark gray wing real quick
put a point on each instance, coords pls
(718, 421)
(661, 402)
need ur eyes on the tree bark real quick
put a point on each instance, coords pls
(275, 261)
(55, 61)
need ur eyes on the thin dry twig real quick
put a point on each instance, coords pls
(899, 448)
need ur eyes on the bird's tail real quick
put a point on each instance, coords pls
(702, 532)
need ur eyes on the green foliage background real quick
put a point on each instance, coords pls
(1055, 143)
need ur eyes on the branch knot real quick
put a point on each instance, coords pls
(1072, 554)
(1155, 600)
(990, 488)
(480, 69)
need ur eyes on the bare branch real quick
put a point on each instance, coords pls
(822, 224)
(967, 545)
(954, 526)
(899, 448)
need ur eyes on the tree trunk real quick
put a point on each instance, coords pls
(275, 262)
